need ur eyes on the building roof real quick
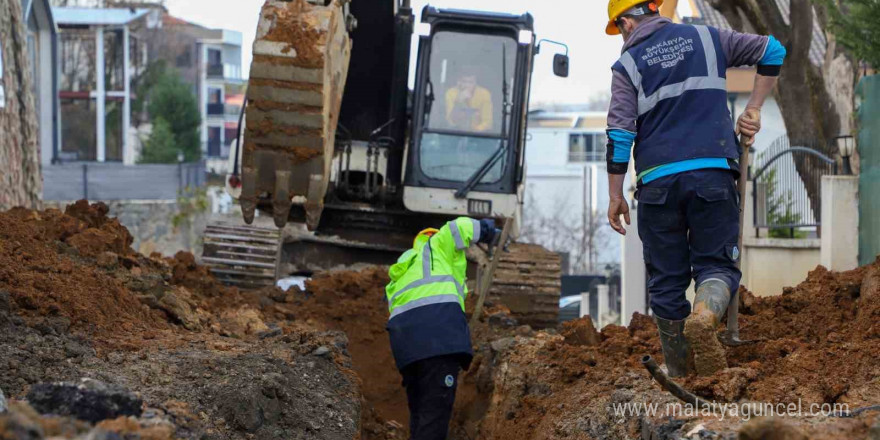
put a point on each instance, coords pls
(97, 16)
(710, 16)
(44, 9)
(170, 20)
(571, 120)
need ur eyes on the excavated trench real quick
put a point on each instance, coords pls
(213, 362)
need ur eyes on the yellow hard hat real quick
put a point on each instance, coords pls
(618, 7)
(428, 232)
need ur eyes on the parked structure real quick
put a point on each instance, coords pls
(101, 52)
(42, 41)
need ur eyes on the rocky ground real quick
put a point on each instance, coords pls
(205, 361)
(819, 345)
(99, 342)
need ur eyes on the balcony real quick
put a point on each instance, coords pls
(216, 109)
(215, 71)
(224, 71)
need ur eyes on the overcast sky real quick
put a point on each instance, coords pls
(578, 23)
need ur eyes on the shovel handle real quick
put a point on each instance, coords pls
(741, 185)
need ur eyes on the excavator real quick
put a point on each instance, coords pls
(350, 163)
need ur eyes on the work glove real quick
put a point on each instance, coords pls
(488, 231)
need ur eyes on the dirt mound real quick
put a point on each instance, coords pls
(821, 347)
(354, 302)
(211, 361)
(822, 344)
(48, 265)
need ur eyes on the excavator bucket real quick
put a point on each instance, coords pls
(297, 77)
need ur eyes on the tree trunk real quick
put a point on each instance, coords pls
(816, 102)
(20, 182)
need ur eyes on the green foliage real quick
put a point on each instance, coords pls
(161, 147)
(175, 102)
(779, 209)
(189, 204)
(143, 85)
(856, 26)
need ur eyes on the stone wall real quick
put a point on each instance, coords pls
(151, 223)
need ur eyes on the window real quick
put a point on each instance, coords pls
(586, 147)
(184, 59)
(464, 129)
(214, 57)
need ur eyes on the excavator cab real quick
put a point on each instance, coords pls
(466, 149)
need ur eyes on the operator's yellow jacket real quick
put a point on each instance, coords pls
(475, 116)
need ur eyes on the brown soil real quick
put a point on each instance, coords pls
(822, 346)
(76, 301)
(354, 302)
(296, 23)
(294, 85)
(709, 355)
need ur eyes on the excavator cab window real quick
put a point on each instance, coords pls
(466, 123)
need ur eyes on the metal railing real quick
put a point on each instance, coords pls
(786, 191)
(215, 70)
(216, 109)
(115, 181)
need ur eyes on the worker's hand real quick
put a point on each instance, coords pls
(617, 206)
(748, 125)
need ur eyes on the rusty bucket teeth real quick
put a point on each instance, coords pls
(297, 76)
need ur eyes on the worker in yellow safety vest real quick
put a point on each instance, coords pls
(429, 333)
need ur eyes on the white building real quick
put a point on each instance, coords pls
(567, 188)
(209, 60)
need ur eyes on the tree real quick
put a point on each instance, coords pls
(563, 230)
(780, 208)
(172, 100)
(20, 182)
(160, 146)
(857, 28)
(816, 101)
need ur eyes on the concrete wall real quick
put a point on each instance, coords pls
(840, 222)
(150, 222)
(770, 264)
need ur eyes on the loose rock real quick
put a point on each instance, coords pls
(89, 400)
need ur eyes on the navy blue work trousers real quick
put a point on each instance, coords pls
(689, 226)
(430, 392)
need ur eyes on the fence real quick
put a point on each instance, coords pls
(787, 186)
(869, 168)
(114, 181)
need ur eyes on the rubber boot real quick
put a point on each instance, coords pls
(710, 303)
(675, 346)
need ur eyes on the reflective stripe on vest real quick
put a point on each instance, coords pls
(456, 235)
(426, 280)
(428, 300)
(711, 81)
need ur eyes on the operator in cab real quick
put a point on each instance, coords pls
(469, 105)
(429, 333)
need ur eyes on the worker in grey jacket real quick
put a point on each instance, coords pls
(669, 108)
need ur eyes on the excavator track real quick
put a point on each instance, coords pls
(242, 256)
(528, 282)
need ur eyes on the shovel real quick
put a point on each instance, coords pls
(730, 337)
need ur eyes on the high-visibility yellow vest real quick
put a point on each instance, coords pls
(434, 270)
